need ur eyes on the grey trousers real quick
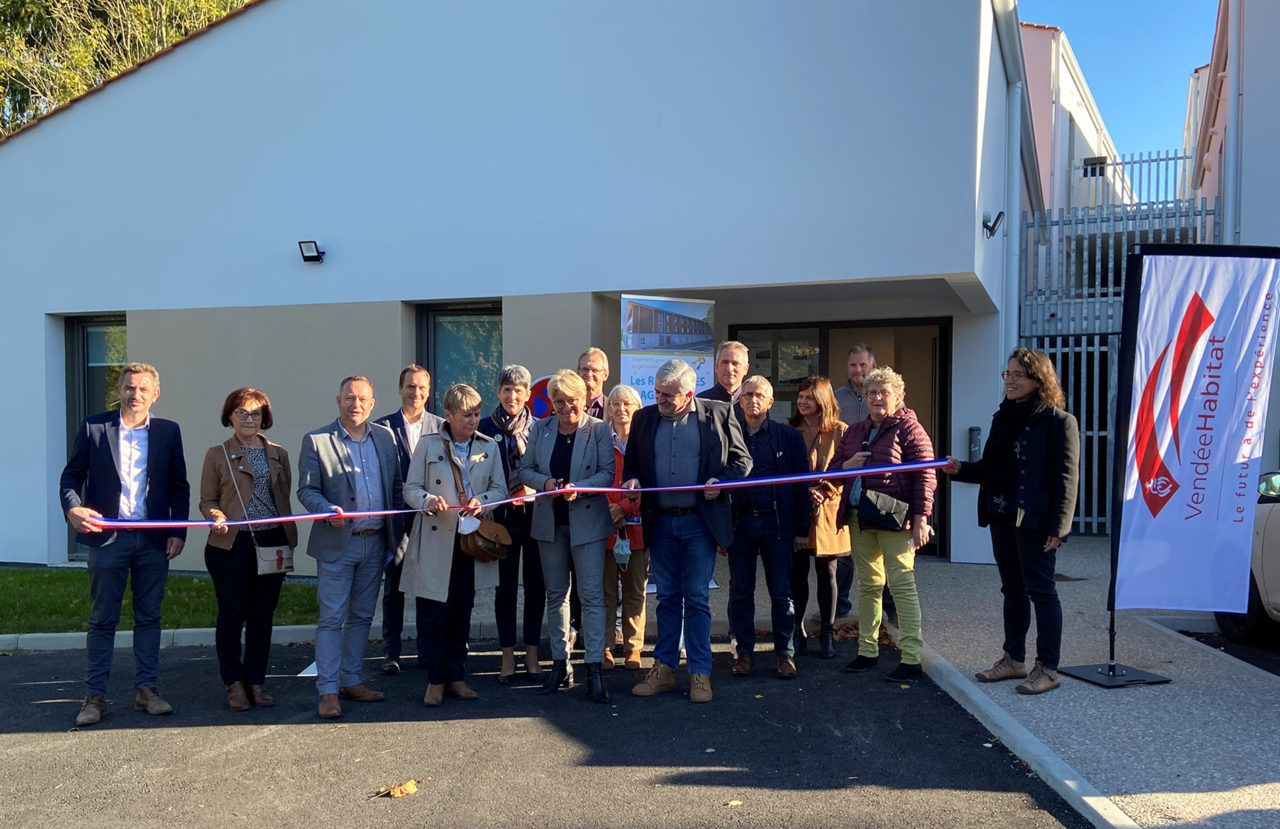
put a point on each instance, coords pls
(588, 564)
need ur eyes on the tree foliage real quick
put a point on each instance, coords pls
(54, 50)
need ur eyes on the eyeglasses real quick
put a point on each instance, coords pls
(875, 394)
(561, 403)
(244, 414)
(1017, 376)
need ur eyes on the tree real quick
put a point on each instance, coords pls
(52, 51)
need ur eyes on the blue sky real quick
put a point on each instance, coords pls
(1137, 56)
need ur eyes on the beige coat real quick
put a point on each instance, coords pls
(428, 560)
(218, 498)
(825, 536)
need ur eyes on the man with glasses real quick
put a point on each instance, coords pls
(682, 441)
(349, 465)
(408, 423)
(130, 465)
(593, 368)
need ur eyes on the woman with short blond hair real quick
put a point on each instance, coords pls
(571, 449)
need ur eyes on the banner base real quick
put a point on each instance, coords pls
(1113, 675)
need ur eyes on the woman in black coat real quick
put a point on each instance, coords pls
(1028, 477)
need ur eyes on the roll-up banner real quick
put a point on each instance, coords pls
(656, 329)
(1201, 344)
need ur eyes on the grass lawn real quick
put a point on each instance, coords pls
(56, 600)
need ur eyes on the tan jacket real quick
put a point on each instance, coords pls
(825, 536)
(428, 559)
(218, 491)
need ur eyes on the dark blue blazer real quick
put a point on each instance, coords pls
(94, 469)
(722, 455)
(395, 422)
(791, 502)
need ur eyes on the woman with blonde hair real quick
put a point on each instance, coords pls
(458, 467)
(622, 404)
(571, 449)
(887, 514)
(818, 419)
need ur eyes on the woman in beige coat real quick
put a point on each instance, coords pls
(818, 419)
(437, 574)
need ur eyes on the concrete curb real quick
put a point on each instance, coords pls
(1079, 793)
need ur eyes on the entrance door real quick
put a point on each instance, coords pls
(919, 350)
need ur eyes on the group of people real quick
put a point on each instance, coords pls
(418, 485)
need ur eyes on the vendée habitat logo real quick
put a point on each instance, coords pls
(1159, 484)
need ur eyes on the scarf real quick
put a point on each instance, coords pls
(515, 428)
(1001, 454)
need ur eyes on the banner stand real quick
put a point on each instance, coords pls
(1111, 674)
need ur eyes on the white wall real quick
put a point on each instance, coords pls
(446, 150)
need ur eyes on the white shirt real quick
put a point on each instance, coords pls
(413, 431)
(133, 469)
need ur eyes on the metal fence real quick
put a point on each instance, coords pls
(1141, 178)
(1072, 276)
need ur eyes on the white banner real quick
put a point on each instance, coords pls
(1201, 376)
(656, 329)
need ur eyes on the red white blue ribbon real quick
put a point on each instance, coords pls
(914, 466)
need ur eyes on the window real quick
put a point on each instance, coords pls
(461, 344)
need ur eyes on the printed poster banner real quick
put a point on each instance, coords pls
(1202, 373)
(656, 329)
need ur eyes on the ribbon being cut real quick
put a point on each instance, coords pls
(915, 466)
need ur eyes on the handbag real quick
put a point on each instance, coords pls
(489, 542)
(269, 560)
(882, 511)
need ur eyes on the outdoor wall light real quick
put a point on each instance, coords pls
(311, 252)
(987, 224)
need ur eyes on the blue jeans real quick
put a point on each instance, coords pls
(682, 558)
(347, 592)
(129, 554)
(760, 536)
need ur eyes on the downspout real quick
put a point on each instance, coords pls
(1012, 304)
(1231, 149)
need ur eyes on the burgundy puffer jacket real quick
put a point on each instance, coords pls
(901, 439)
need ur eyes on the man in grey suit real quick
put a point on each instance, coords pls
(350, 465)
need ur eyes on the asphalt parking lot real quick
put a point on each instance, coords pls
(827, 749)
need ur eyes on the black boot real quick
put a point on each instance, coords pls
(828, 642)
(561, 676)
(801, 641)
(595, 684)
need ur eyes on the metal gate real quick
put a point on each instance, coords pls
(1072, 277)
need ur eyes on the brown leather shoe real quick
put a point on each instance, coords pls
(786, 667)
(260, 696)
(434, 696)
(93, 710)
(460, 690)
(633, 661)
(742, 666)
(236, 697)
(329, 707)
(606, 661)
(148, 699)
(360, 693)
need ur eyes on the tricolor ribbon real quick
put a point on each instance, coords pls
(914, 466)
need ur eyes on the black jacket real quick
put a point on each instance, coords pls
(1048, 452)
(790, 501)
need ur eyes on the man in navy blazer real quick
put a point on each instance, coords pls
(683, 440)
(770, 521)
(351, 465)
(408, 423)
(126, 464)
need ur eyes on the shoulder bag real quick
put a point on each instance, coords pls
(489, 542)
(270, 560)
